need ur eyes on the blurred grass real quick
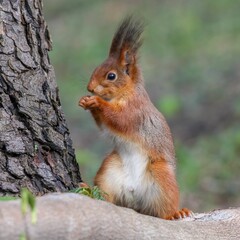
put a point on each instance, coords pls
(7, 198)
(190, 61)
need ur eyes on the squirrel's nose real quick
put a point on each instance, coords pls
(90, 88)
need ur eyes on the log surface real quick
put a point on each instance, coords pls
(73, 216)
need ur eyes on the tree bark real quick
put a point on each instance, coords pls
(73, 216)
(35, 148)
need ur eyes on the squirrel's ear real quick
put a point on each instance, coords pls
(126, 58)
(126, 41)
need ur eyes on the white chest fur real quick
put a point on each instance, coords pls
(128, 177)
(134, 166)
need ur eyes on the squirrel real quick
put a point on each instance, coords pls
(139, 173)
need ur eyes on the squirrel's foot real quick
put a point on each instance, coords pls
(180, 214)
(89, 102)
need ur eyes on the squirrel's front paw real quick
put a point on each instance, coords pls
(89, 102)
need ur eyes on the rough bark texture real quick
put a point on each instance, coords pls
(35, 147)
(72, 216)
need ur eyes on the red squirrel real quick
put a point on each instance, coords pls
(139, 173)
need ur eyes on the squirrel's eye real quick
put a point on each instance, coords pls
(111, 76)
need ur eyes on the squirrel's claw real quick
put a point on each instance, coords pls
(82, 101)
(180, 214)
(89, 102)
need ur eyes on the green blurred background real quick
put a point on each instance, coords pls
(191, 64)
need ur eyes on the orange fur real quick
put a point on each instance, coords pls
(140, 171)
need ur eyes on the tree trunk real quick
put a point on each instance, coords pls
(72, 216)
(35, 148)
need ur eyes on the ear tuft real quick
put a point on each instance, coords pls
(127, 40)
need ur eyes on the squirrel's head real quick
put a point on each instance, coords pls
(119, 73)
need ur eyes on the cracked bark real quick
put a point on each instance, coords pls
(35, 147)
